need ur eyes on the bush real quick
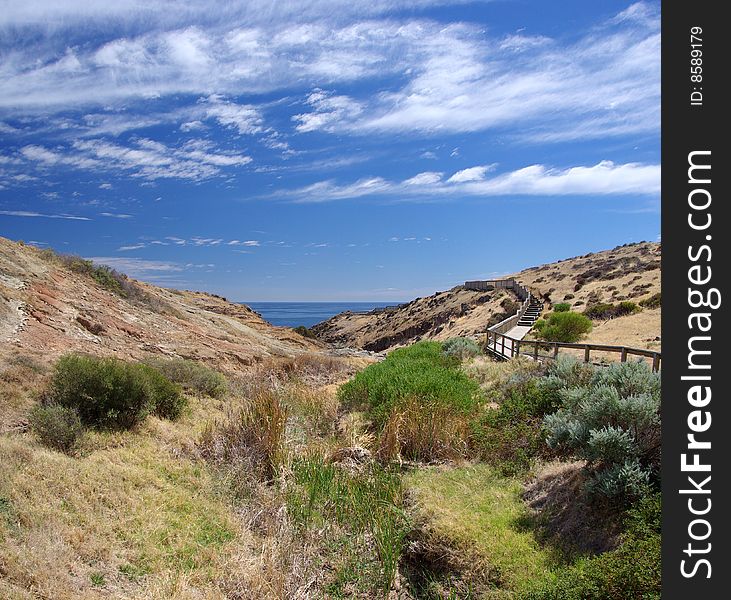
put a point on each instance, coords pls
(111, 393)
(511, 436)
(192, 376)
(461, 348)
(415, 385)
(305, 332)
(630, 571)
(57, 427)
(605, 310)
(561, 307)
(613, 422)
(565, 327)
(654, 301)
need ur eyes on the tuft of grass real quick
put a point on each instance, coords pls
(471, 516)
(252, 437)
(365, 504)
(192, 376)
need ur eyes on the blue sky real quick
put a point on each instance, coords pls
(328, 149)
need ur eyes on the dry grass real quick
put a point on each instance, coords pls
(492, 374)
(22, 381)
(132, 517)
(250, 439)
(423, 433)
(314, 368)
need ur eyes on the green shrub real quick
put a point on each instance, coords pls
(561, 307)
(613, 422)
(565, 327)
(511, 436)
(192, 376)
(305, 332)
(540, 324)
(57, 427)
(413, 395)
(111, 393)
(654, 301)
(604, 310)
(421, 371)
(630, 571)
(461, 348)
(167, 400)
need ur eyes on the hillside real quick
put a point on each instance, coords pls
(49, 306)
(630, 272)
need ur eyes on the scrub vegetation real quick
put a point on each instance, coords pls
(432, 473)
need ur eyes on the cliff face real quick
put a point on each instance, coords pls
(48, 308)
(630, 272)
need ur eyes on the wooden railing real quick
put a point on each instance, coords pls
(507, 347)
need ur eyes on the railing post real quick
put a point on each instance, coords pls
(502, 339)
(586, 353)
(656, 363)
(624, 354)
(555, 351)
(535, 351)
(516, 346)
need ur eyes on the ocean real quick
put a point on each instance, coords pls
(293, 314)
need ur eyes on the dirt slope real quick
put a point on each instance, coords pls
(630, 272)
(46, 309)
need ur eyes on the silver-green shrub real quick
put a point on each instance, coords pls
(609, 417)
(461, 348)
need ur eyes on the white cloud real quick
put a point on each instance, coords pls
(33, 214)
(328, 110)
(136, 267)
(246, 119)
(604, 178)
(145, 158)
(471, 174)
(426, 178)
(115, 215)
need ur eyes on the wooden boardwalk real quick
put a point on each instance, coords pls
(505, 340)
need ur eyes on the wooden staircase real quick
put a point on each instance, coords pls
(532, 312)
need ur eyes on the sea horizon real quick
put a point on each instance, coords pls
(309, 313)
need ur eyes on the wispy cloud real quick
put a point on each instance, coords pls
(603, 178)
(453, 77)
(143, 157)
(32, 214)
